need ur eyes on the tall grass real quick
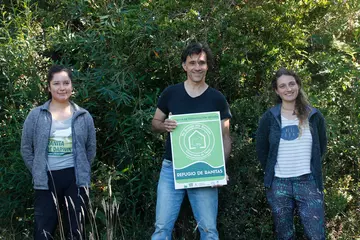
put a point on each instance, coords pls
(90, 230)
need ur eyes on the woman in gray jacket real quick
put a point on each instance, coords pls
(58, 145)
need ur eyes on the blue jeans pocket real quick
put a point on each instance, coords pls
(167, 163)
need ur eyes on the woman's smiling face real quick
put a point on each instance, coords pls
(61, 87)
(287, 88)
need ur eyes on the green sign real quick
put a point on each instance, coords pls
(197, 150)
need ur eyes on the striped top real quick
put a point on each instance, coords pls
(294, 152)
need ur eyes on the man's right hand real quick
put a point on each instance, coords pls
(170, 125)
(162, 124)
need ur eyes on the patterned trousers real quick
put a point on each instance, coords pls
(301, 193)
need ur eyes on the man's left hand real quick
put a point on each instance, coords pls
(219, 185)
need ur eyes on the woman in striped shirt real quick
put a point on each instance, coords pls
(290, 144)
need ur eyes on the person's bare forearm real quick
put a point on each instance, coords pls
(227, 146)
(158, 126)
(167, 125)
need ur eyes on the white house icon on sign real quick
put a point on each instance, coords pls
(197, 140)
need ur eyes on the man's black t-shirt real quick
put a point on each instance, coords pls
(175, 100)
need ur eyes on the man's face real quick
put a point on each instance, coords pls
(196, 67)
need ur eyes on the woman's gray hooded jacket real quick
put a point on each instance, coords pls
(35, 140)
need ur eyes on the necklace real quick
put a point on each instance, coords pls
(289, 110)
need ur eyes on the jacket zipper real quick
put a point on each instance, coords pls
(74, 145)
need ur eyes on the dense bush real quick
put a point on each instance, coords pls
(124, 53)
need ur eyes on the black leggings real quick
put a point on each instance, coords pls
(62, 184)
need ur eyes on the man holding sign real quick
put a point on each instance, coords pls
(193, 96)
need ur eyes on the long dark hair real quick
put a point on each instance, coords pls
(302, 105)
(56, 69)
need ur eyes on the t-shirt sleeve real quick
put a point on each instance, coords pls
(224, 108)
(163, 101)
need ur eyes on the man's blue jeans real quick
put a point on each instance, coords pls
(204, 203)
(301, 192)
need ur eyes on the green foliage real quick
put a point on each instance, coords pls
(124, 53)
